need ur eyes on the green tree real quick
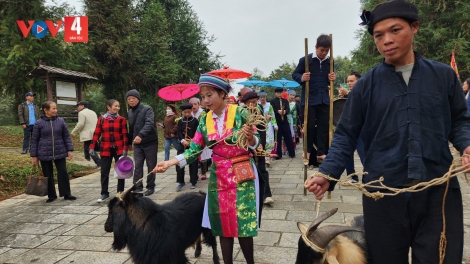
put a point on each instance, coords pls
(190, 41)
(444, 27)
(115, 53)
(283, 71)
(19, 55)
(343, 67)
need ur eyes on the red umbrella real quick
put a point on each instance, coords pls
(178, 92)
(228, 73)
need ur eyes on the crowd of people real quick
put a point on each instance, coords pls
(399, 132)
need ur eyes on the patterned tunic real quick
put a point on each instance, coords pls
(232, 209)
(272, 124)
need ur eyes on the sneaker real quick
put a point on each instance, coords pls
(203, 177)
(180, 186)
(24, 151)
(353, 181)
(148, 192)
(103, 198)
(193, 186)
(97, 168)
(310, 167)
(268, 200)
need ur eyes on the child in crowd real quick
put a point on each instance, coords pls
(187, 127)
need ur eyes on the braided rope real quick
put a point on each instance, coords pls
(253, 118)
(455, 169)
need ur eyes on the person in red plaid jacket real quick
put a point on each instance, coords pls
(111, 132)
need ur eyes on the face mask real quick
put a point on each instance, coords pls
(169, 111)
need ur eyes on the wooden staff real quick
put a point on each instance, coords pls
(282, 109)
(331, 93)
(330, 127)
(306, 116)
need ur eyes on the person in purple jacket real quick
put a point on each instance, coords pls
(51, 142)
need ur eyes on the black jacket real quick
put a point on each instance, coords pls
(276, 104)
(319, 82)
(142, 124)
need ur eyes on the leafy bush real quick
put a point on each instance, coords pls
(15, 171)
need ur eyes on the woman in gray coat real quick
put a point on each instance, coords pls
(51, 142)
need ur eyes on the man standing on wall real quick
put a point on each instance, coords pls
(319, 79)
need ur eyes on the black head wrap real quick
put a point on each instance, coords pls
(395, 8)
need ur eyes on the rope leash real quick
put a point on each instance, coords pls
(254, 117)
(455, 169)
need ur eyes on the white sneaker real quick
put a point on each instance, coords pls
(268, 200)
(353, 181)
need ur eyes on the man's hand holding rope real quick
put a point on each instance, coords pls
(466, 156)
(318, 185)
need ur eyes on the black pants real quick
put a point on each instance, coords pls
(27, 134)
(86, 148)
(394, 224)
(192, 170)
(105, 168)
(149, 155)
(318, 115)
(62, 177)
(284, 131)
(261, 165)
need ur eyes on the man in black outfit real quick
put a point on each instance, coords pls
(319, 78)
(281, 109)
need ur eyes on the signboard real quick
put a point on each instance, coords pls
(66, 93)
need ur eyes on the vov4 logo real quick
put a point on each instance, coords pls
(75, 28)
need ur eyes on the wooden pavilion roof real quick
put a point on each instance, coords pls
(57, 73)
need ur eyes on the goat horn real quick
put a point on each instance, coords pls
(121, 196)
(322, 237)
(313, 226)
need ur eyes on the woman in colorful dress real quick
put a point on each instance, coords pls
(232, 209)
(292, 116)
(268, 112)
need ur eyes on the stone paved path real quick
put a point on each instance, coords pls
(32, 231)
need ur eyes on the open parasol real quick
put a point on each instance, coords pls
(283, 83)
(254, 82)
(178, 92)
(229, 73)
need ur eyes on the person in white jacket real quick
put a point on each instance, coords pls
(86, 125)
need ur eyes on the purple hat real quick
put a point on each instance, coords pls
(124, 167)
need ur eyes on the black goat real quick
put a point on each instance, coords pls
(157, 233)
(332, 244)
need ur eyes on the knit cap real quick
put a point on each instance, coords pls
(134, 93)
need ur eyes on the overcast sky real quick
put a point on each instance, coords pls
(267, 33)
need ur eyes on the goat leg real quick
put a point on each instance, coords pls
(197, 253)
(210, 240)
